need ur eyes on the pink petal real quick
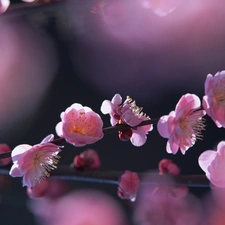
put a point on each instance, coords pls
(138, 137)
(117, 99)
(166, 125)
(106, 107)
(49, 138)
(172, 147)
(4, 4)
(59, 129)
(205, 159)
(208, 83)
(19, 151)
(15, 171)
(131, 119)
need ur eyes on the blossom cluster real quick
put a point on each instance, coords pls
(80, 126)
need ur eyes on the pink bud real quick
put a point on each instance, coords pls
(3, 149)
(87, 159)
(129, 184)
(167, 166)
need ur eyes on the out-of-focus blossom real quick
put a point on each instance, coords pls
(160, 7)
(214, 99)
(87, 159)
(25, 84)
(50, 187)
(86, 207)
(184, 125)
(80, 125)
(129, 184)
(213, 164)
(162, 208)
(167, 166)
(3, 149)
(34, 163)
(40, 189)
(4, 4)
(127, 113)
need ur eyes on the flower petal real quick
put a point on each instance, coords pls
(19, 151)
(205, 159)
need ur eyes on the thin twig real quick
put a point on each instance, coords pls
(112, 177)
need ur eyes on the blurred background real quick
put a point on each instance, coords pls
(56, 53)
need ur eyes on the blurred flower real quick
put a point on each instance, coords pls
(50, 187)
(129, 183)
(40, 189)
(80, 125)
(34, 163)
(214, 99)
(160, 7)
(4, 4)
(162, 207)
(87, 159)
(167, 166)
(127, 113)
(213, 164)
(3, 149)
(184, 125)
(86, 207)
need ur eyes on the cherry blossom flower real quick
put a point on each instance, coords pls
(87, 159)
(213, 164)
(80, 125)
(129, 184)
(167, 166)
(130, 114)
(40, 189)
(214, 99)
(3, 149)
(184, 125)
(162, 207)
(81, 207)
(34, 163)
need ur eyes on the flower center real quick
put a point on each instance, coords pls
(191, 127)
(219, 95)
(44, 165)
(137, 111)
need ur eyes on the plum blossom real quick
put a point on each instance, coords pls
(214, 99)
(80, 125)
(213, 164)
(184, 125)
(34, 163)
(87, 159)
(129, 183)
(130, 114)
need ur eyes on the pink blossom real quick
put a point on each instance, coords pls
(3, 149)
(40, 189)
(127, 113)
(213, 164)
(129, 184)
(4, 5)
(184, 125)
(214, 99)
(34, 163)
(87, 159)
(81, 207)
(80, 125)
(168, 166)
(163, 208)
